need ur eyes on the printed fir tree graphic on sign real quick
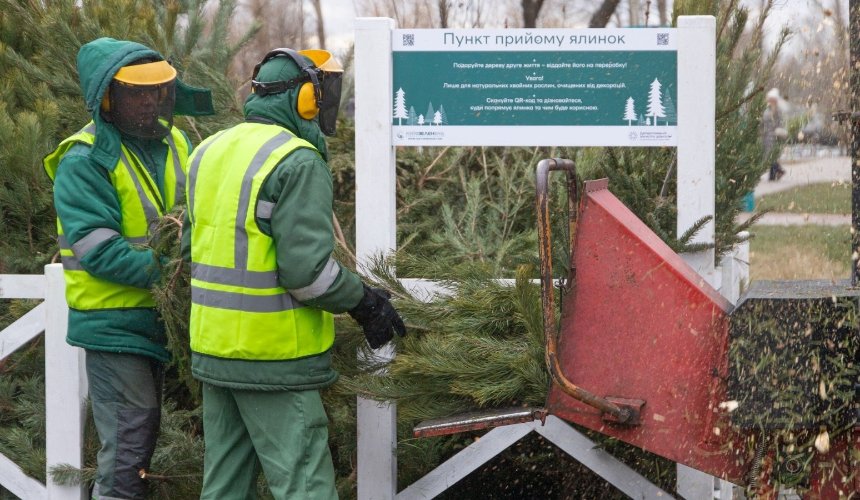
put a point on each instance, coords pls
(630, 111)
(400, 112)
(655, 102)
(671, 112)
(443, 116)
(428, 116)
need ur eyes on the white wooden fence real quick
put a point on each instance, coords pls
(65, 381)
(66, 392)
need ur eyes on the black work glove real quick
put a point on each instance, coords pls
(377, 317)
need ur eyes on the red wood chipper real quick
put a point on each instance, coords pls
(762, 394)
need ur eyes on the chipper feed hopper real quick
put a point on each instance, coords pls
(762, 394)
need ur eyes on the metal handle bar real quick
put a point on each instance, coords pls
(544, 167)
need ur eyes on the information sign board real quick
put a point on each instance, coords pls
(552, 87)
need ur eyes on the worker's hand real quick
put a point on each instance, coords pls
(377, 317)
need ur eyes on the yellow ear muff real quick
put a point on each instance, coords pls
(307, 102)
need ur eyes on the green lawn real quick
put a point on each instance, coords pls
(800, 252)
(824, 198)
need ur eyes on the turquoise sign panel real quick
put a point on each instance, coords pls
(535, 88)
(614, 87)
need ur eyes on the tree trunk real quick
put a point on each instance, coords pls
(320, 24)
(663, 12)
(531, 11)
(443, 13)
(635, 17)
(603, 14)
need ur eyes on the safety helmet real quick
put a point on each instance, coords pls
(140, 99)
(319, 85)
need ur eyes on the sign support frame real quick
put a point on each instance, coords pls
(376, 201)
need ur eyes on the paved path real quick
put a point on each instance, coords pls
(785, 219)
(804, 172)
(800, 173)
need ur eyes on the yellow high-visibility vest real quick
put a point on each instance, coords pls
(238, 309)
(141, 205)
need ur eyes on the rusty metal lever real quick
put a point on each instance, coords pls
(622, 414)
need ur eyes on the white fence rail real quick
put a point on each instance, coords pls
(66, 392)
(65, 381)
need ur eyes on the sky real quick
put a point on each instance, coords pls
(340, 22)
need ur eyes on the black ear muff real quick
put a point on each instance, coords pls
(310, 93)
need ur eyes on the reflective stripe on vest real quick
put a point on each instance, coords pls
(238, 308)
(141, 205)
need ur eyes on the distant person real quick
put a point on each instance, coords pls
(772, 133)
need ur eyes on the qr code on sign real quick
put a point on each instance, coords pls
(662, 38)
(408, 39)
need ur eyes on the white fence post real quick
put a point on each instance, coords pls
(696, 171)
(65, 389)
(375, 222)
(736, 270)
(736, 277)
(696, 133)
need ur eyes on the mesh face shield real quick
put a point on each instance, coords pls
(142, 111)
(141, 99)
(327, 86)
(329, 102)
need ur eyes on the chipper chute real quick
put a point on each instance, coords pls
(649, 353)
(642, 330)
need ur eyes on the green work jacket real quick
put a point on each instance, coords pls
(97, 299)
(247, 329)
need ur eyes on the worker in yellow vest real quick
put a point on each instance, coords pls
(112, 180)
(264, 284)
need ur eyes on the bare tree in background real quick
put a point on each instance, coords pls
(416, 14)
(317, 4)
(444, 5)
(282, 25)
(603, 14)
(531, 11)
(499, 13)
(663, 12)
(635, 12)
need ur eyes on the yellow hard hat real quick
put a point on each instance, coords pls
(323, 60)
(154, 73)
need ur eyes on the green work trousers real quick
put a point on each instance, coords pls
(125, 393)
(285, 432)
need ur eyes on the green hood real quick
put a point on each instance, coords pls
(97, 62)
(281, 108)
